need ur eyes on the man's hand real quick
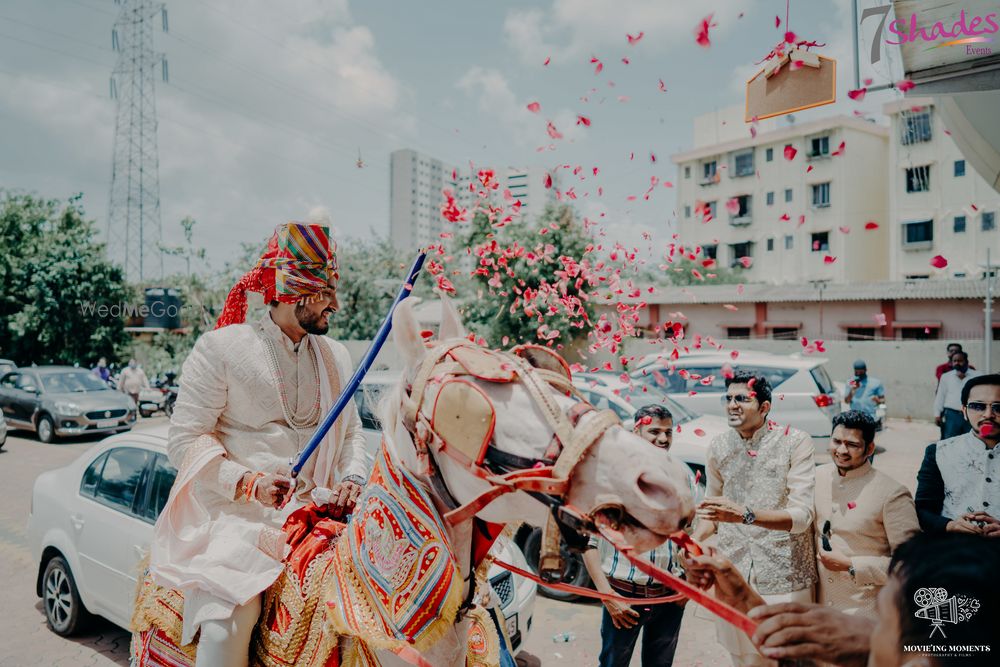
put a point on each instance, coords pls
(991, 525)
(344, 496)
(622, 615)
(720, 508)
(792, 630)
(835, 561)
(713, 569)
(963, 525)
(273, 489)
(938, 420)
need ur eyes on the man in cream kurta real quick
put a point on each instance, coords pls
(250, 399)
(863, 515)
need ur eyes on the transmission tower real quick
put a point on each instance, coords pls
(134, 228)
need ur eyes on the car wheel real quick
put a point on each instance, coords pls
(46, 429)
(64, 612)
(146, 414)
(575, 573)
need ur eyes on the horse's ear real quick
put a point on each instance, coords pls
(451, 321)
(406, 333)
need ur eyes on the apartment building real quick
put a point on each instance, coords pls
(938, 204)
(417, 181)
(798, 220)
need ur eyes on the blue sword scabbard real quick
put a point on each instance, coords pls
(366, 362)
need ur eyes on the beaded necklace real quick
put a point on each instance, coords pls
(271, 356)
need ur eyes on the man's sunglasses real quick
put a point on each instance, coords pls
(826, 537)
(739, 398)
(979, 406)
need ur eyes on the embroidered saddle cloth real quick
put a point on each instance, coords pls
(395, 581)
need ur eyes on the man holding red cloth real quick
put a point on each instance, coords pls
(251, 398)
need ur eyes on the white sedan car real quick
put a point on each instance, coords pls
(91, 523)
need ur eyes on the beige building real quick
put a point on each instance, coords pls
(938, 204)
(798, 220)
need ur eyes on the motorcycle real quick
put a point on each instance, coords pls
(160, 397)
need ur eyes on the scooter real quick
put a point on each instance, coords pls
(160, 397)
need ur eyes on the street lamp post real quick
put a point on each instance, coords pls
(988, 324)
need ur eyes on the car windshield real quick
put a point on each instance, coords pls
(72, 381)
(823, 380)
(637, 398)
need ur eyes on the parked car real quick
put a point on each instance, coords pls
(803, 395)
(59, 401)
(3, 431)
(6, 366)
(91, 523)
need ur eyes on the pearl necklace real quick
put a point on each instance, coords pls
(271, 356)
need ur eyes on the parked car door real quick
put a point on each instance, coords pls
(26, 397)
(7, 390)
(111, 535)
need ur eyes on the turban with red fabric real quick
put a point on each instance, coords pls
(296, 267)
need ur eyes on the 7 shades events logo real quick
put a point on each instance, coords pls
(938, 608)
(968, 30)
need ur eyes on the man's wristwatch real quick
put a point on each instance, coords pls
(749, 517)
(356, 479)
(851, 571)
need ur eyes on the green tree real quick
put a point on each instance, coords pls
(530, 283)
(54, 279)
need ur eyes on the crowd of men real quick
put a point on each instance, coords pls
(831, 560)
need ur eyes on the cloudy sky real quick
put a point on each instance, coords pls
(269, 103)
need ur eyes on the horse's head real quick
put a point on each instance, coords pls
(476, 416)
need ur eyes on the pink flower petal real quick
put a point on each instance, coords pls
(880, 319)
(553, 132)
(701, 432)
(634, 40)
(547, 61)
(746, 262)
(790, 152)
(701, 31)
(905, 85)
(857, 95)
(752, 453)
(777, 21)
(829, 259)
(534, 107)
(870, 225)
(851, 505)
(733, 206)
(663, 86)
(938, 262)
(790, 37)
(583, 120)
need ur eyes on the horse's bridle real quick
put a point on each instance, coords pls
(460, 425)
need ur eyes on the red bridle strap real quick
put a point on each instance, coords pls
(586, 592)
(538, 480)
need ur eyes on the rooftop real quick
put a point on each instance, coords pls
(758, 292)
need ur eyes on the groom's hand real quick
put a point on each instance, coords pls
(344, 496)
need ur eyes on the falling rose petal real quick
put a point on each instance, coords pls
(857, 95)
(790, 152)
(870, 225)
(802, 220)
(625, 61)
(790, 37)
(868, 82)
(634, 40)
(880, 319)
(548, 181)
(598, 65)
(840, 148)
(652, 157)
(752, 453)
(938, 262)
(547, 61)
(986, 430)
(746, 262)
(809, 168)
(851, 505)
(733, 205)
(844, 230)
(663, 86)
(534, 107)
(777, 21)
(553, 132)
(700, 432)
(729, 306)
(829, 259)
(701, 31)
(646, 421)
(739, 288)
(734, 354)
(505, 340)
(905, 85)
(583, 120)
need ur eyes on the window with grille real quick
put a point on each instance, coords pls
(710, 251)
(738, 251)
(770, 199)
(819, 146)
(770, 244)
(959, 168)
(918, 179)
(821, 195)
(989, 221)
(820, 242)
(919, 233)
(860, 333)
(742, 216)
(784, 333)
(959, 226)
(915, 127)
(741, 333)
(769, 154)
(743, 163)
(708, 171)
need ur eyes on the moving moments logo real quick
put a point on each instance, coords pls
(969, 30)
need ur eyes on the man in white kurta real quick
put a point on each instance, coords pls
(251, 397)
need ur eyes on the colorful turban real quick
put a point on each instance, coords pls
(296, 267)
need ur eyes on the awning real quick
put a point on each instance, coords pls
(870, 324)
(917, 325)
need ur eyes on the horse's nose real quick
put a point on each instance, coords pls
(656, 490)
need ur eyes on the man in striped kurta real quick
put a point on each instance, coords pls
(613, 573)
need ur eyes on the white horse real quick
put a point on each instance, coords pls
(608, 469)
(620, 470)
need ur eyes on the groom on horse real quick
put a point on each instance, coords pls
(251, 398)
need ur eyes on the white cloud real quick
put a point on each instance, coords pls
(572, 29)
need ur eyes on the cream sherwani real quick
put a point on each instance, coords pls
(870, 514)
(220, 550)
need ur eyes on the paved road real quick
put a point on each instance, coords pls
(25, 640)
